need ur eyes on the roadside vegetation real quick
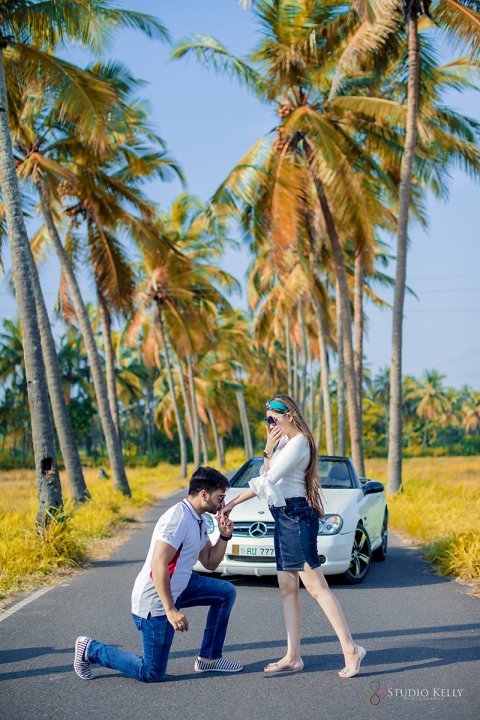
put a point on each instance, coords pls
(28, 558)
(439, 508)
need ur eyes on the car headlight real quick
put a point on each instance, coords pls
(330, 525)
(210, 523)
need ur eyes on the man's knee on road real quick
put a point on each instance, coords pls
(153, 675)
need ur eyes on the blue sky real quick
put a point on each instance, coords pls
(209, 122)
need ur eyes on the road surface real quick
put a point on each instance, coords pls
(421, 632)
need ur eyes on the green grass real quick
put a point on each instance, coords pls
(440, 509)
(28, 559)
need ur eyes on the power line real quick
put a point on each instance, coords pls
(460, 358)
(463, 378)
(443, 277)
(449, 290)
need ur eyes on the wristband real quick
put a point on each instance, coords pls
(266, 455)
(224, 537)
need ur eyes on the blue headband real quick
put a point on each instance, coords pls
(276, 405)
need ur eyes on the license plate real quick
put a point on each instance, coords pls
(252, 551)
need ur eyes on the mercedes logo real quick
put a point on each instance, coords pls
(257, 529)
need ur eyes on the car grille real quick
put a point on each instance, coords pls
(258, 560)
(242, 529)
(249, 559)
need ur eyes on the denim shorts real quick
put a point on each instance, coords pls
(295, 534)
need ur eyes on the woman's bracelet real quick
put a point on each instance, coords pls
(224, 537)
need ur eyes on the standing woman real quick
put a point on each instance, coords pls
(289, 482)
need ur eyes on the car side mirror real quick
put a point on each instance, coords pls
(372, 486)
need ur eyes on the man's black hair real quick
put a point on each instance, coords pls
(207, 478)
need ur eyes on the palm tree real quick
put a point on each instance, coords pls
(433, 403)
(63, 425)
(461, 21)
(298, 136)
(13, 376)
(471, 414)
(273, 282)
(180, 287)
(309, 147)
(189, 230)
(25, 50)
(102, 184)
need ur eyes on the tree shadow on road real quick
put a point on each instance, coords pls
(403, 568)
(28, 653)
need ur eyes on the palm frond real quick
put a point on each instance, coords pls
(212, 54)
(460, 23)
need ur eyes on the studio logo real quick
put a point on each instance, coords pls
(375, 693)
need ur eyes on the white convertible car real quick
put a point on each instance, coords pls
(353, 532)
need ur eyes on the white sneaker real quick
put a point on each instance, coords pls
(80, 662)
(220, 665)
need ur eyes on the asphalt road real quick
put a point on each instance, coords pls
(421, 633)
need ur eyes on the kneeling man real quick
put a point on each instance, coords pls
(166, 585)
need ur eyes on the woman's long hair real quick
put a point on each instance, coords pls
(312, 479)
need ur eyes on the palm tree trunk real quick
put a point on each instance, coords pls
(204, 444)
(109, 363)
(49, 489)
(319, 419)
(395, 426)
(247, 438)
(61, 417)
(148, 413)
(322, 347)
(303, 377)
(186, 400)
(312, 388)
(196, 419)
(295, 371)
(216, 438)
(346, 321)
(358, 325)
(341, 419)
(178, 418)
(289, 356)
(110, 434)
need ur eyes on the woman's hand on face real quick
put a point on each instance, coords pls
(273, 438)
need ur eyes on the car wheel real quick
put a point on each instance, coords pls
(361, 558)
(380, 553)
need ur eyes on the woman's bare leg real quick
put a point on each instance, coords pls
(315, 583)
(289, 590)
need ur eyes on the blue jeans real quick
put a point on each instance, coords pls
(157, 633)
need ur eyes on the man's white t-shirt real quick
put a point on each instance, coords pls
(187, 532)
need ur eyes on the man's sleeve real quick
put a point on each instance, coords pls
(172, 527)
(264, 485)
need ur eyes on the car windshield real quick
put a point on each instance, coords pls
(333, 473)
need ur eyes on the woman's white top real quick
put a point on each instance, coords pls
(285, 477)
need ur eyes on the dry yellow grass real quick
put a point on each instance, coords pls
(440, 509)
(27, 559)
